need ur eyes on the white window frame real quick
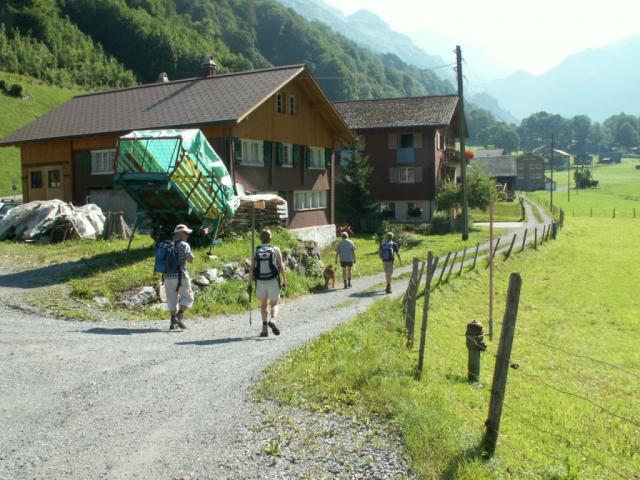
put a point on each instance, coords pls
(409, 175)
(293, 106)
(316, 158)
(252, 153)
(287, 155)
(102, 161)
(304, 200)
(280, 107)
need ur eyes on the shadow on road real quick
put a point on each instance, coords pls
(216, 341)
(121, 331)
(368, 294)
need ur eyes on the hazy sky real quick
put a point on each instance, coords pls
(518, 34)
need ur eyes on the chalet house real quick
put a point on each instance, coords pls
(530, 172)
(561, 159)
(410, 142)
(501, 167)
(583, 159)
(609, 158)
(275, 130)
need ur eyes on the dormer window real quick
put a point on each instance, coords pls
(293, 106)
(279, 103)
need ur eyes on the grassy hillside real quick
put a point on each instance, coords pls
(18, 112)
(364, 368)
(619, 188)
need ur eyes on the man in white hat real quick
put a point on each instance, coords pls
(178, 284)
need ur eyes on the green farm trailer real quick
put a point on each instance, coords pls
(175, 176)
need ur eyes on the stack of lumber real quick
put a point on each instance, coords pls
(270, 211)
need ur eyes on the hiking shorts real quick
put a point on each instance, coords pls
(183, 296)
(388, 267)
(346, 264)
(269, 289)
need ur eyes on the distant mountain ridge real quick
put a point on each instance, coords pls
(367, 29)
(596, 82)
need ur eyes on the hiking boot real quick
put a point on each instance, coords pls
(180, 321)
(349, 284)
(173, 324)
(265, 330)
(388, 289)
(274, 328)
(345, 285)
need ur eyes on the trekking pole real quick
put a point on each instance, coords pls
(357, 270)
(250, 308)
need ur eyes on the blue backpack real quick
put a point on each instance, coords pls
(387, 250)
(167, 258)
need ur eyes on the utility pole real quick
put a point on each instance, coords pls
(569, 179)
(551, 160)
(463, 160)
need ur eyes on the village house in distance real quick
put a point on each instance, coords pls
(411, 145)
(275, 130)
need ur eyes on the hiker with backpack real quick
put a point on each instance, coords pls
(346, 251)
(267, 270)
(172, 257)
(389, 250)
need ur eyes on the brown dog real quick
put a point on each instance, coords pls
(329, 277)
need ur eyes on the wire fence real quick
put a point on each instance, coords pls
(536, 381)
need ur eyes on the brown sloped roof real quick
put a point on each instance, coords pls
(432, 111)
(498, 166)
(220, 99)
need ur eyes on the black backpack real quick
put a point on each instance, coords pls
(264, 263)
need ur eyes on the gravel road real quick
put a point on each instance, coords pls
(134, 400)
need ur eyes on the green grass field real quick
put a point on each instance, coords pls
(619, 188)
(579, 293)
(502, 212)
(15, 113)
(103, 268)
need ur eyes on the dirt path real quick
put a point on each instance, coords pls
(131, 400)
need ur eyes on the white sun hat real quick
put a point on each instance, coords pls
(183, 228)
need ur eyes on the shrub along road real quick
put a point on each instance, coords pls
(132, 400)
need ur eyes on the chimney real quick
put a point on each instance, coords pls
(209, 66)
(162, 78)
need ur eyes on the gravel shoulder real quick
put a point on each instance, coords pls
(121, 399)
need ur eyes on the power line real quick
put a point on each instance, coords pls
(391, 74)
(596, 360)
(565, 439)
(586, 399)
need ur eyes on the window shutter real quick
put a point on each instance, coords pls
(417, 140)
(417, 174)
(393, 175)
(307, 156)
(393, 141)
(328, 154)
(268, 152)
(296, 153)
(237, 150)
(86, 162)
(279, 153)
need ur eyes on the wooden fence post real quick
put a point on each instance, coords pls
(444, 267)
(544, 232)
(549, 230)
(501, 370)
(492, 254)
(434, 267)
(425, 314)
(495, 250)
(475, 345)
(410, 315)
(524, 239)
(464, 254)
(453, 262)
(535, 238)
(508, 254)
(614, 212)
(475, 257)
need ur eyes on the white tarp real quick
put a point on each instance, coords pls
(37, 219)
